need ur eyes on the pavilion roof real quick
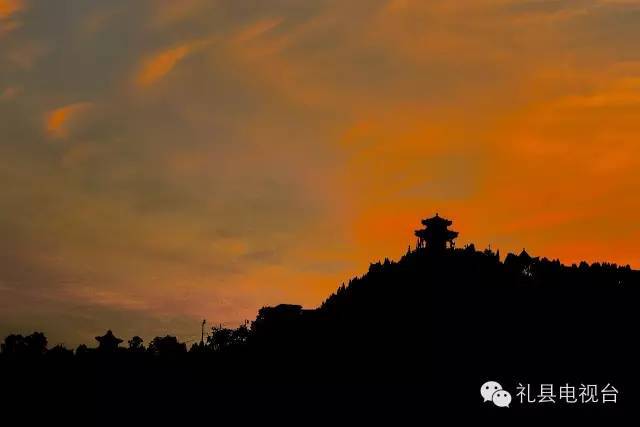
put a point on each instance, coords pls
(436, 221)
(108, 338)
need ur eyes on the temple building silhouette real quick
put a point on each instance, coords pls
(108, 342)
(435, 236)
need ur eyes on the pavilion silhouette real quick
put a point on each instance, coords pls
(436, 235)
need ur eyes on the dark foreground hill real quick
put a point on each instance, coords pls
(423, 333)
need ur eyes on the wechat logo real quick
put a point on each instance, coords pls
(491, 391)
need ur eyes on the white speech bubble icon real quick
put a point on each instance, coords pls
(501, 398)
(488, 389)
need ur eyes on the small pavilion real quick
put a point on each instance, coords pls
(436, 236)
(108, 342)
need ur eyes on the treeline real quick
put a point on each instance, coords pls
(430, 326)
(412, 292)
(35, 345)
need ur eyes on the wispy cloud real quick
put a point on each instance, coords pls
(58, 122)
(256, 29)
(10, 7)
(8, 11)
(158, 65)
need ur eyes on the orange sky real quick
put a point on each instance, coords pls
(166, 161)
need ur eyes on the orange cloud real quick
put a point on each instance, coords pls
(10, 7)
(159, 65)
(57, 121)
(257, 29)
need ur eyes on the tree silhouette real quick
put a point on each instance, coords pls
(13, 345)
(135, 344)
(166, 346)
(30, 346)
(36, 344)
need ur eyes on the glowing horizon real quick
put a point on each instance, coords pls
(164, 162)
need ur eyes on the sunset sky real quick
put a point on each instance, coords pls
(166, 161)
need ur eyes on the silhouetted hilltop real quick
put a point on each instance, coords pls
(460, 300)
(439, 315)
